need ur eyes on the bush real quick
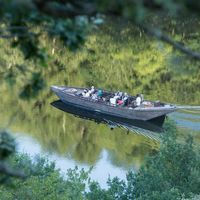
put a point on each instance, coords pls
(171, 173)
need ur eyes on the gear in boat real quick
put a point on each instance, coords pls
(116, 99)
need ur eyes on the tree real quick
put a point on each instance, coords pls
(68, 20)
(25, 22)
(172, 173)
(7, 148)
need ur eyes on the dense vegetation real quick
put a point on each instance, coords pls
(111, 59)
(70, 20)
(171, 173)
(117, 56)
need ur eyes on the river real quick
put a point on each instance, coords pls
(110, 152)
(125, 60)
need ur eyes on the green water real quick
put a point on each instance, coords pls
(117, 56)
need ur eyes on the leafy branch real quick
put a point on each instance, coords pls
(165, 38)
(7, 148)
(72, 33)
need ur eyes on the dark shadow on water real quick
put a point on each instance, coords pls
(151, 129)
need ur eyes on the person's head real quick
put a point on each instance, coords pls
(125, 94)
(92, 87)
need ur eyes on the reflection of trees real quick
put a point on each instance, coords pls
(118, 60)
(130, 156)
(82, 140)
(127, 57)
(87, 149)
(125, 149)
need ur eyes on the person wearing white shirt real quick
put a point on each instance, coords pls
(138, 100)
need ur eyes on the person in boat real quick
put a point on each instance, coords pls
(120, 94)
(100, 93)
(120, 102)
(125, 99)
(114, 100)
(138, 100)
(84, 92)
(90, 92)
(94, 97)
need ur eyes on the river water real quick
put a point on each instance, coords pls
(110, 154)
(112, 59)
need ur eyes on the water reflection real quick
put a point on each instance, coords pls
(30, 146)
(187, 119)
(123, 60)
(73, 138)
(149, 129)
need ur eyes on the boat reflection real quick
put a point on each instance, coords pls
(151, 129)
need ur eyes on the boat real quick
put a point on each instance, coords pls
(154, 111)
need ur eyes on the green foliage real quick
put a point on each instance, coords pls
(42, 36)
(20, 19)
(70, 32)
(50, 14)
(26, 23)
(171, 173)
(7, 148)
(111, 59)
(45, 182)
(7, 145)
(32, 88)
(10, 77)
(120, 50)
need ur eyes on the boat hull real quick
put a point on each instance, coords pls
(102, 108)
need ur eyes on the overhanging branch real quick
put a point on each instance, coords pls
(165, 38)
(71, 9)
(65, 10)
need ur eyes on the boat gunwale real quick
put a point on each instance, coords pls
(141, 109)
